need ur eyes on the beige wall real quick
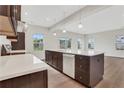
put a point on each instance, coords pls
(105, 41)
(50, 41)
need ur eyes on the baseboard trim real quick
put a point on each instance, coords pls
(114, 56)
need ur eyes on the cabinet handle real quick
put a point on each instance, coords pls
(80, 77)
(98, 60)
(80, 66)
(80, 57)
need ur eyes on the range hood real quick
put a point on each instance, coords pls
(6, 26)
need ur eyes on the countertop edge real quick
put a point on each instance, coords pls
(22, 74)
(75, 53)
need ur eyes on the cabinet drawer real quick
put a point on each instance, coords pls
(82, 68)
(82, 63)
(81, 58)
(82, 77)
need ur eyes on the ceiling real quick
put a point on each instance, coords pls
(108, 19)
(47, 15)
(94, 18)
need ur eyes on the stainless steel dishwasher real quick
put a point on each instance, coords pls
(69, 65)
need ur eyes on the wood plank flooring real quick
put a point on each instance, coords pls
(113, 76)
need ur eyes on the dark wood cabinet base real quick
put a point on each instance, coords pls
(89, 70)
(34, 80)
(54, 59)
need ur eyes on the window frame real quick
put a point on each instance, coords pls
(40, 44)
(67, 43)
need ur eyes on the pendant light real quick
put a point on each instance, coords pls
(80, 23)
(54, 33)
(64, 30)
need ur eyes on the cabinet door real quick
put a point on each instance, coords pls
(48, 56)
(15, 11)
(82, 63)
(60, 62)
(54, 59)
(82, 77)
(97, 69)
(82, 69)
(20, 44)
(4, 10)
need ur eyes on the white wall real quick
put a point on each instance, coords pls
(105, 41)
(50, 41)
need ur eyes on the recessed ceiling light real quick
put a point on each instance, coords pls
(64, 31)
(80, 26)
(26, 13)
(54, 34)
(47, 19)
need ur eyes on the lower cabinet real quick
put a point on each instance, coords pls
(55, 59)
(82, 69)
(33, 80)
(20, 44)
(89, 70)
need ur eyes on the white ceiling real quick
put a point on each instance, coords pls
(108, 19)
(47, 15)
(103, 20)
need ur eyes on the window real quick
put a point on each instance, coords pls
(38, 42)
(65, 43)
(91, 44)
(79, 44)
(120, 42)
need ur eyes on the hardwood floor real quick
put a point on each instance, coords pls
(113, 76)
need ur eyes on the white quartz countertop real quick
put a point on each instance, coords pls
(18, 65)
(80, 52)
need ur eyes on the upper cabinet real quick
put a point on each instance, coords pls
(4, 10)
(9, 16)
(11, 11)
(15, 11)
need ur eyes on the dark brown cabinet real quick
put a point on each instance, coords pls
(33, 80)
(15, 11)
(4, 10)
(89, 70)
(11, 11)
(48, 56)
(55, 59)
(82, 69)
(20, 44)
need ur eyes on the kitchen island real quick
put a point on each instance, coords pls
(23, 71)
(86, 67)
